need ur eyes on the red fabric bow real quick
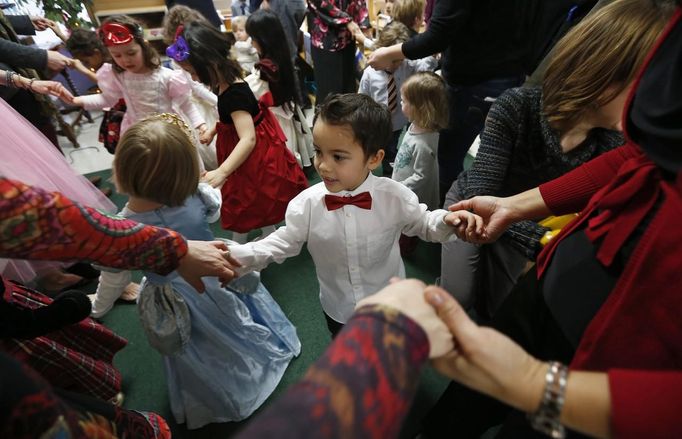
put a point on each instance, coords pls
(116, 34)
(362, 200)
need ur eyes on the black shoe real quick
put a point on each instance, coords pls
(83, 270)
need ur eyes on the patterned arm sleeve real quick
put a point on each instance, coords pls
(36, 224)
(376, 358)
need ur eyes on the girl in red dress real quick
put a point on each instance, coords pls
(258, 174)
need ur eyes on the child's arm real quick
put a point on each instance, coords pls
(179, 91)
(111, 91)
(243, 123)
(283, 243)
(365, 88)
(201, 92)
(80, 67)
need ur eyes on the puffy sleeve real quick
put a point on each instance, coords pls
(111, 90)
(179, 91)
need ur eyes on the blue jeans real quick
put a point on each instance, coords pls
(468, 109)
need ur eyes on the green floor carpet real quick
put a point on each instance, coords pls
(294, 285)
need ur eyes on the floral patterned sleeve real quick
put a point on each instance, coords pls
(36, 224)
(329, 19)
(376, 358)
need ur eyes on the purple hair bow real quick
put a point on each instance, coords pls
(179, 50)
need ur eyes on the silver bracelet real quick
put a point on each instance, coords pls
(546, 418)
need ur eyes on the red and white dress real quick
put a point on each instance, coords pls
(257, 193)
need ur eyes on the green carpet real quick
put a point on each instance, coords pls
(294, 286)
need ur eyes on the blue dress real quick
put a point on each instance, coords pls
(240, 344)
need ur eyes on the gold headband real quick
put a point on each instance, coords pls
(174, 119)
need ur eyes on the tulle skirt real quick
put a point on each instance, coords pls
(29, 157)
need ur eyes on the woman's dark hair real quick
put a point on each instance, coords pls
(209, 54)
(85, 42)
(264, 27)
(151, 58)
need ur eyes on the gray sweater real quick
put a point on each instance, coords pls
(519, 151)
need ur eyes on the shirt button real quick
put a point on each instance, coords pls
(353, 268)
(348, 215)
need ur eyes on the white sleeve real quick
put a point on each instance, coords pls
(283, 243)
(199, 91)
(428, 64)
(419, 221)
(365, 84)
(109, 84)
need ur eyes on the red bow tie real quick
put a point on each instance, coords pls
(362, 200)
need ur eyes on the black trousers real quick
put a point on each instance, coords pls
(524, 317)
(334, 71)
(333, 326)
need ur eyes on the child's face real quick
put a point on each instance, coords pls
(339, 158)
(405, 106)
(129, 57)
(240, 33)
(92, 60)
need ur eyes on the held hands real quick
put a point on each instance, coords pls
(207, 258)
(354, 29)
(215, 178)
(485, 359)
(468, 226)
(41, 23)
(406, 297)
(57, 62)
(495, 212)
(52, 88)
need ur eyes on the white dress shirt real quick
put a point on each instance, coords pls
(355, 250)
(374, 83)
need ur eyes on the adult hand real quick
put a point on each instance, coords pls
(57, 62)
(485, 359)
(53, 88)
(496, 215)
(207, 258)
(353, 28)
(41, 23)
(406, 297)
(215, 178)
(380, 59)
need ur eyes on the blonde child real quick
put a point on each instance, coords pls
(258, 175)
(229, 350)
(138, 77)
(384, 86)
(243, 50)
(351, 221)
(424, 103)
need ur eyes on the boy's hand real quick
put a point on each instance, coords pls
(468, 226)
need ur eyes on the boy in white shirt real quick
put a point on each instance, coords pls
(352, 220)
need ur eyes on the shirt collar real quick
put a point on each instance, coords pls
(366, 186)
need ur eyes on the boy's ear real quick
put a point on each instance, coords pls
(375, 160)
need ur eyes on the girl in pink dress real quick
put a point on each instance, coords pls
(138, 77)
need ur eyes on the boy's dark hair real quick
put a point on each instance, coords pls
(85, 42)
(209, 54)
(265, 28)
(369, 121)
